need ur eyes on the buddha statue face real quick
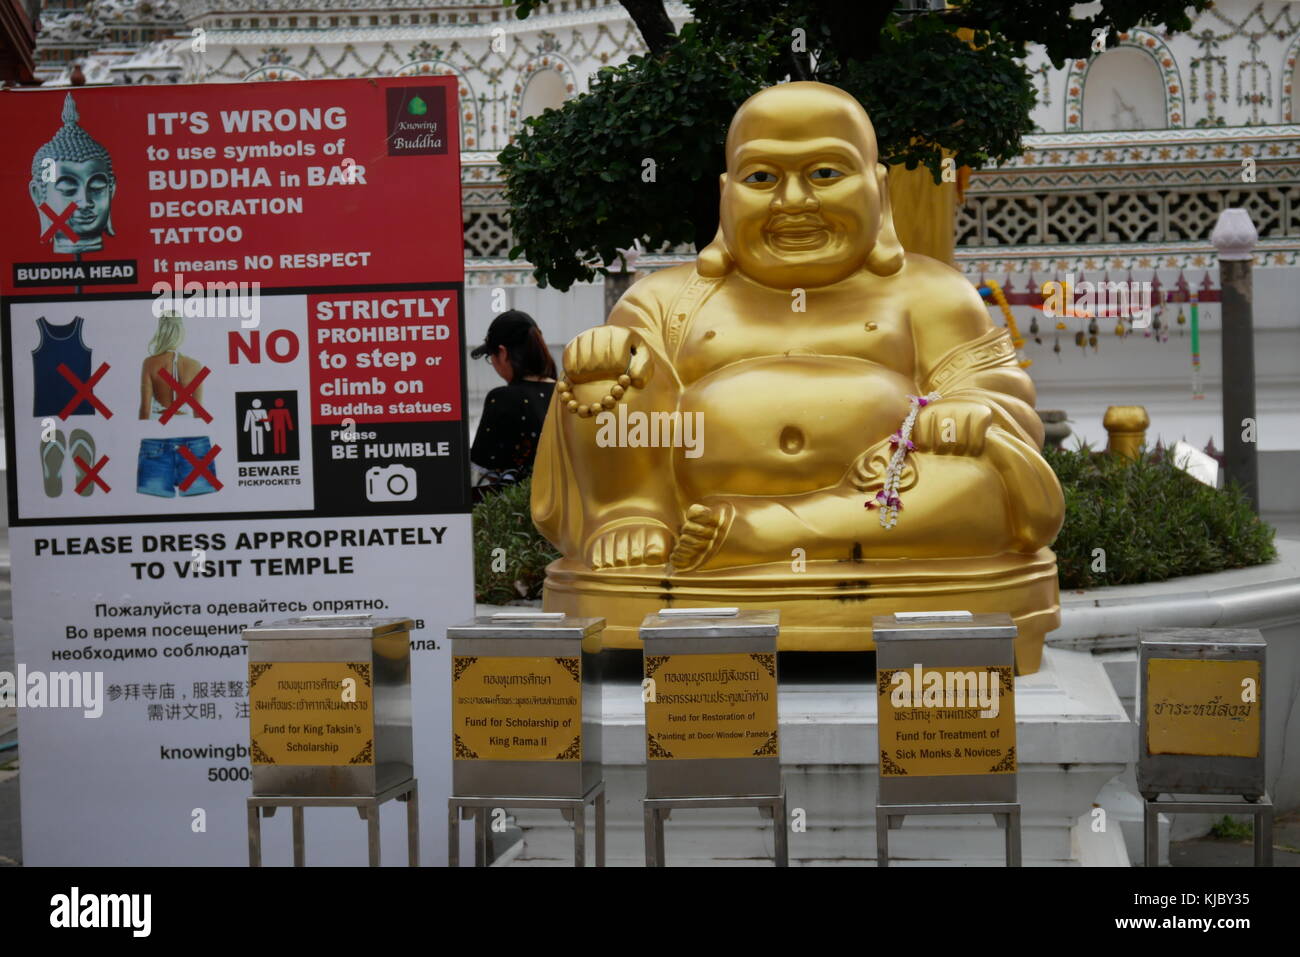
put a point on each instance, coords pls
(72, 168)
(802, 197)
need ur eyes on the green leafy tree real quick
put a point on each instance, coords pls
(638, 156)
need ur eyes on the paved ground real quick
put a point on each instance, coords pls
(1222, 852)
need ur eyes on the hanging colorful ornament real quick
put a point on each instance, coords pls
(1080, 339)
(1033, 330)
(998, 296)
(1092, 341)
(1182, 321)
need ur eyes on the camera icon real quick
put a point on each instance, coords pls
(392, 483)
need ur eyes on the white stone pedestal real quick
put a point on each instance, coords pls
(1073, 737)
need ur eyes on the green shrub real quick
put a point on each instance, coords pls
(503, 520)
(1153, 520)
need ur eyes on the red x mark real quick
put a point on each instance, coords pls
(59, 221)
(199, 466)
(184, 394)
(91, 473)
(85, 390)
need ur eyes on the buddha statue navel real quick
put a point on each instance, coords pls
(728, 436)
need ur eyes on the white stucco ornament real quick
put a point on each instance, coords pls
(1234, 235)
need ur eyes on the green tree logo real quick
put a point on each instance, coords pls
(417, 107)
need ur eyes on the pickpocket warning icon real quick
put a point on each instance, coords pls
(267, 426)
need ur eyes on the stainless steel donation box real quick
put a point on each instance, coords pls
(710, 695)
(945, 687)
(329, 700)
(1201, 712)
(526, 700)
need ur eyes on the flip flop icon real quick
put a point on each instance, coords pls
(83, 446)
(53, 453)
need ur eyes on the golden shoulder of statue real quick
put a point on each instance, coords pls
(720, 440)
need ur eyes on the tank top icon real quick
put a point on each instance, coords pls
(59, 345)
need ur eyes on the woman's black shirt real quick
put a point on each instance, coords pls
(511, 425)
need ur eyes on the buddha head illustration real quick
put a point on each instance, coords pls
(73, 170)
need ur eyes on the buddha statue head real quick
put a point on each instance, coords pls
(804, 200)
(73, 168)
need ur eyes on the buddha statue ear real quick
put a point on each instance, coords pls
(886, 256)
(713, 261)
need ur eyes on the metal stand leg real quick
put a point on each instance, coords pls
(254, 837)
(413, 827)
(1005, 816)
(1150, 835)
(652, 826)
(781, 833)
(453, 834)
(580, 836)
(1264, 836)
(299, 848)
(600, 828)
(372, 833)
(480, 837)
(1013, 837)
(882, 838)
(367, 808)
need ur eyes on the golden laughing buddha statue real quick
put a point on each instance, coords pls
(806, 418)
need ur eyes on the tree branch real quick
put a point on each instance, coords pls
(652, 20)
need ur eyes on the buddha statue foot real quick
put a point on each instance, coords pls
(629, 544)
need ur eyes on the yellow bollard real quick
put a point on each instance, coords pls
(1127, 426)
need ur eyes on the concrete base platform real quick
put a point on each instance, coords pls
(1073, 737)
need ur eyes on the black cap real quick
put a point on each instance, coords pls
(508, 329)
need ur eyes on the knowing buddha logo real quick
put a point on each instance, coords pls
(417, 120)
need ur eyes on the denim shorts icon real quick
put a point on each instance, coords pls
(162, 467)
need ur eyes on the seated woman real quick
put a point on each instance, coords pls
(156, 393)
(505, 444)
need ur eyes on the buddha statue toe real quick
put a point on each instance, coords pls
(629, 544)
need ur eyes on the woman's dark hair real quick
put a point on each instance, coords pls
(530, 356)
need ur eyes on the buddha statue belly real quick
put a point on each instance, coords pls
(786, 424)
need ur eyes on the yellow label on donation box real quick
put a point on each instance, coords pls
(311, 713)
(1203, 707)
(947, 720)
(711, 706)
(516, 709)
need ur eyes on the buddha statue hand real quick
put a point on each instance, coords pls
(952, 427)
(607, 352)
